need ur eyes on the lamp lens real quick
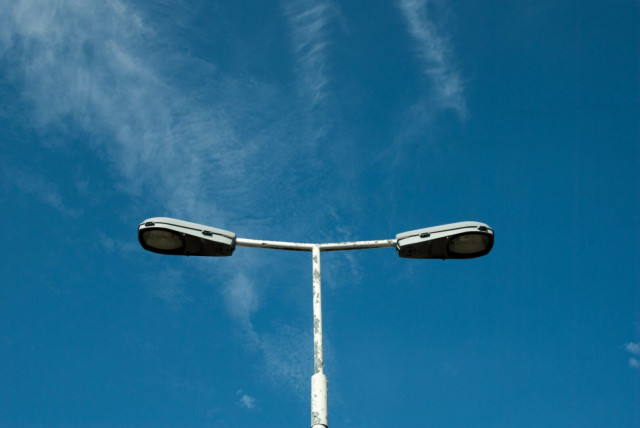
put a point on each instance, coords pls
(162, 239)
(470, 243)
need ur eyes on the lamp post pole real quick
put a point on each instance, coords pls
(319, 390)
(463, 240)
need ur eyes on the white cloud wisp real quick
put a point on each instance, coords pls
(634, 349)
(309, 21)
(40, 187)
(435, 53)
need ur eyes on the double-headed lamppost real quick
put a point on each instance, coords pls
(464, 240)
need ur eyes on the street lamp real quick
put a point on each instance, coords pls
(178, 237)
(462, 240)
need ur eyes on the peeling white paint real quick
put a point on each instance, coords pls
(319, 394)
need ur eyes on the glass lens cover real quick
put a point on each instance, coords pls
(470, 243)
(162, 239)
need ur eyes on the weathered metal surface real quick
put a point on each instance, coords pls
(318, 380)
(318, 358)
(319, 410)
(302, 246)
(274, 245)
(358, 245)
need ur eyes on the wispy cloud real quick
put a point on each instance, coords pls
(246, 401)
(40, 187)
(94, 65)
(114, 244)
(288, 357)
(286, 350)
(309, 22)
(435, 54)
(634, 349)
(242, 301)
(166, 286)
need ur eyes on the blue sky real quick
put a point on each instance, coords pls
(320, 121)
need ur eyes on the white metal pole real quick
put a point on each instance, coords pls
(319, 410)
(319, 413)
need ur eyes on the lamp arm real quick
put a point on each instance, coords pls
(300, 246)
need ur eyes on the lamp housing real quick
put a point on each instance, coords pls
(463, 240)
(165, 235)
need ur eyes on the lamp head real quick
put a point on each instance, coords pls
(165, 235)
(464, 240)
